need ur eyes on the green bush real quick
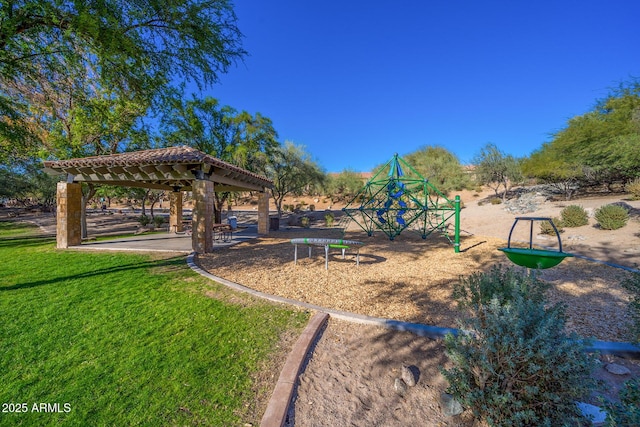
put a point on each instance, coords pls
(546, 228)
(611, 217)
(627, 412)
(574, 216)
(633, 188)
(513, 364)
(158, 221)
(329, 219)
(495, 200)
(632, 284)
(144, 220)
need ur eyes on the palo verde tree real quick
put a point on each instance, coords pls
(131, 50)
(441, 167)
(292, 171)
(496, 169)
(239, 138)
(344, 185)
(598, 147)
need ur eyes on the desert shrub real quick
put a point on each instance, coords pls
(513, 364)
(611, 217)
(305, 221)
(478, 289)
(627, 411)
(158, 221)
(329, 219)
(546, 228)
(144, 220)
(632, 285)
(495, 200)
(312, 208)
(633, 188)
(574, 216)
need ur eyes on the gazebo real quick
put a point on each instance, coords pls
(174, 169)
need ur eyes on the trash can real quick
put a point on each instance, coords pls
(233, 222)
(274, 223)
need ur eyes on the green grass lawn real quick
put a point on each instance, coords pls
(115, 339)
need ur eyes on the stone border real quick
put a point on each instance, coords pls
(278, 407)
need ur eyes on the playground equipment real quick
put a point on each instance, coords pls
(327, 243)
(395, 202)
(534, 258)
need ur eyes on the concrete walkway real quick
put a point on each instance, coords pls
(166, 242)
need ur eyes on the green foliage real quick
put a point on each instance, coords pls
(627, 412)
(329, 219)
(633, 187)
(496, 169)
(574, 216)
(513, 365)
(600, 146)
(441, 167)
(62, 63)
(611, 217)
(477, 290)
(343, 186)
(495, 200)
(547, 228)
(632, 285)
(158, 221)
(26, 182)
(144, 220)
(292, 171)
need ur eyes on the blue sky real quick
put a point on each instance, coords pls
(357, 81)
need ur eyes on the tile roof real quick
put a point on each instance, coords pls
(182, 155)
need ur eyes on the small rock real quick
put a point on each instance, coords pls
(400, 386)
(616, 369)
(450, 406)
(407, 376)
(594, 413)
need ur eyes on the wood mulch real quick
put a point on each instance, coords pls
(411, 279)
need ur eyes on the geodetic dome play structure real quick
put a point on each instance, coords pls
(395, 200)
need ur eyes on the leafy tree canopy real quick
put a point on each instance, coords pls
(440, 166)
(61, 63)
(497, 169)
(600, 146)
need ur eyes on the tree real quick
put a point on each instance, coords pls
(344, 186)
(598, 147)
(441, 167)
(495, 169)
(555, 167)
(26, 183)
(292, 171)
(134, 47)
(239, 138)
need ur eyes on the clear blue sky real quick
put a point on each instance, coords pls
(357, 81)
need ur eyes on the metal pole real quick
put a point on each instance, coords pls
(456, 245)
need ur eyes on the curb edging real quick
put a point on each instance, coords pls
(278, 406)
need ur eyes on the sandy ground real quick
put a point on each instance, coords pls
(349, 379)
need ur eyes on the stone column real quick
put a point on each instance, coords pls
(202, 223)
(175, 211)
(263, 213)
(68, 215)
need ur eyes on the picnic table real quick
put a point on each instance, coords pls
(327, 243)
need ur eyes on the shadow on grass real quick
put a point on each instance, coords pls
(147, 264)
